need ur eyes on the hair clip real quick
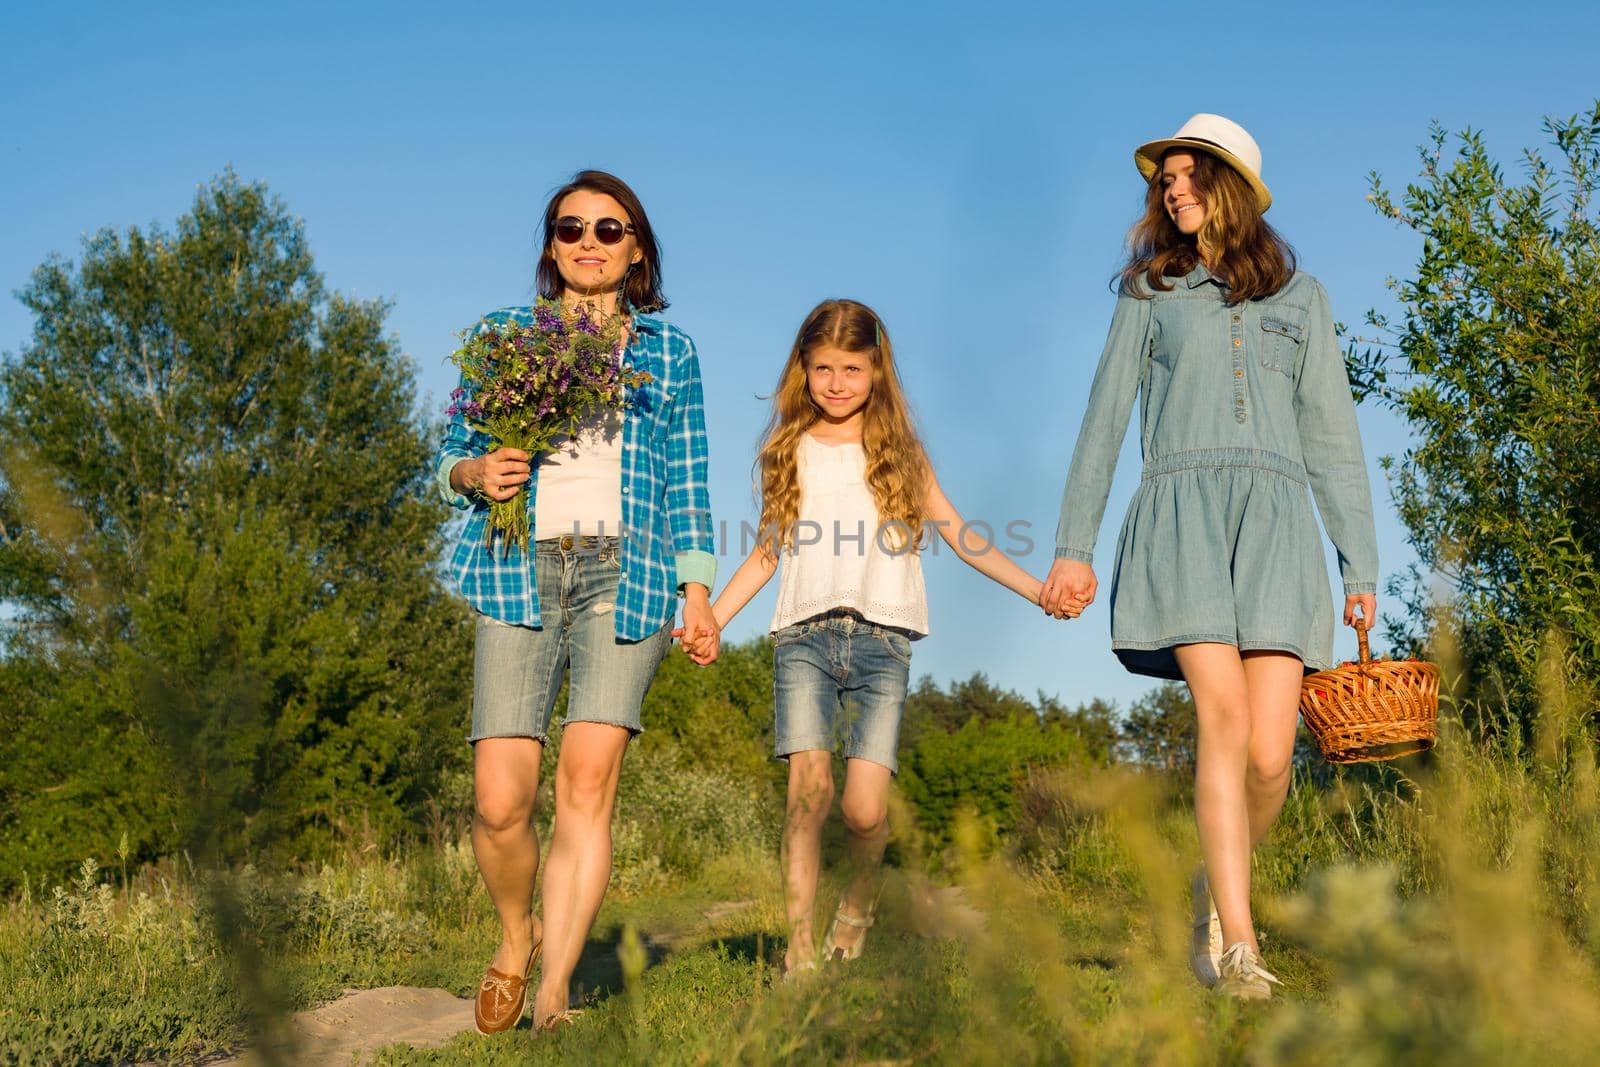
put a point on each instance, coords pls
(877, 333)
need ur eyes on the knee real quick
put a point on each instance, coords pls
(1227, 722)
(1270, 772)
(503, 810)
(585, 789)
(810, 792)
(864, 816)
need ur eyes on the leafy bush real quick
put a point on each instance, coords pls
(979, 768)
(674, 817)
(1492, 365)
(93, 974)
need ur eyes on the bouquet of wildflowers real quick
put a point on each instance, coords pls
(525, 386)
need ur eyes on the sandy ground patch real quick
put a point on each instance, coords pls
(348, 1029)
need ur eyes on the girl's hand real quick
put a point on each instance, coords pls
(499, 475)
(702, 638)
(704, 651)
(1068, 589)
(1367, 602)
(1071, 611)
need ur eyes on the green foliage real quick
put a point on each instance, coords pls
(140, 972)
(719, 716)
(226, 628)
(675, 816)
(1159, 730)
(1492, 363)
(1439, 912)
(928, 708)
(980, 763)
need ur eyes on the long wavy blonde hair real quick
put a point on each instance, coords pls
(897, 466)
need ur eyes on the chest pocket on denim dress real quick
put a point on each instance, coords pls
(1281, 337)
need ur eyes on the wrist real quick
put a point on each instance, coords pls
(466, 477)
(696, 594)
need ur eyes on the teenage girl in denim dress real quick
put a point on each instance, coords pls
(1219, 578)
(846, 492)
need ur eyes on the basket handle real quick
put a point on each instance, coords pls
(1361, 639)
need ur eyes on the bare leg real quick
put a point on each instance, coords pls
(1273, 679)
(579, 863)
(810, 798)
(865, 809)
(1216, 678)
(505, 779)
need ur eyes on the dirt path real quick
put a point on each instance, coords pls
(347, 1030)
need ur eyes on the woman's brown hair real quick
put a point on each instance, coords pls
(897, 466)
(641, 289)
(1243, 249)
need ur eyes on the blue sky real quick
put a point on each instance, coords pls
(965, 169)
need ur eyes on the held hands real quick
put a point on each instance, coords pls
(1367, 602)
(700, 636)
(497, 475)
(1034, 594)
(1068, 589)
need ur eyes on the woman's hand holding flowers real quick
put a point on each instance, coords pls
(498, 475)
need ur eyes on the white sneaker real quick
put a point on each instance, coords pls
(1205, 937)
(1243, 976)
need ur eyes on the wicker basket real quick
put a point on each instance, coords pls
(1372, 710)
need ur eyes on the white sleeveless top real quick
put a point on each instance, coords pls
(580, 481)
(840, 558)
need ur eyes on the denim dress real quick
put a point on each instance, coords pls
(1246, 417)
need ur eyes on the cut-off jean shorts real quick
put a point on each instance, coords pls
(517, 669)
(839, 684)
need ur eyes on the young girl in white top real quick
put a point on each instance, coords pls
(846, 496)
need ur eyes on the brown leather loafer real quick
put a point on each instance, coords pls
(501, 997)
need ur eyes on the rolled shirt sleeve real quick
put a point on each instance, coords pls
(688, 497)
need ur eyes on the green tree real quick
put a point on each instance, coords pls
(219, 565)
(971, 746)
(1159, 730)
(1495, 364)
(930, 708)
(979, 767)
(718, 717)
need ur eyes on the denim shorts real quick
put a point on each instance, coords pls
(517, 670)
(839, 683)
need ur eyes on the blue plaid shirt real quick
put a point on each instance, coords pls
(665, 504)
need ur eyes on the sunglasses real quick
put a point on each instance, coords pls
(569, 230)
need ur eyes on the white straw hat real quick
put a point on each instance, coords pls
(1223, 138)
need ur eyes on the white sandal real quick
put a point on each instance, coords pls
(832, 951)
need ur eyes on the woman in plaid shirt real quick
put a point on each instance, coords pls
(621, 530)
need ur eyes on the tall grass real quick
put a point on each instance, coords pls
(1439, 911)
